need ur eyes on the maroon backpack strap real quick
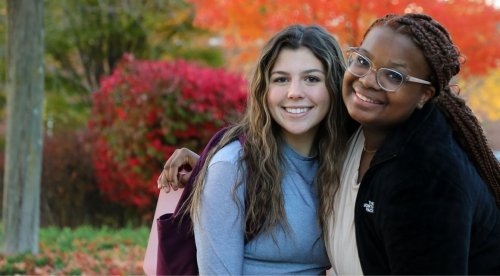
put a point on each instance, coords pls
(196, 170)
(176, 253)
(176, 244)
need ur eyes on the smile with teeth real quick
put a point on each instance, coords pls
(365, 99)
(297, 110)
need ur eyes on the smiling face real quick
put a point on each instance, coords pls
(298, 98)
(370, 105)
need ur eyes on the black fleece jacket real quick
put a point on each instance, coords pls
(422, 208)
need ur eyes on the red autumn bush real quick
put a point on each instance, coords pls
(145, 110)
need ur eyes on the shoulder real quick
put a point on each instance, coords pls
(429, 161)
(431, 150)
(223, 172)
(439, 172)
(230, 153)
(224, 169)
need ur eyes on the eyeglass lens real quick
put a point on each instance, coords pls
(388, 79)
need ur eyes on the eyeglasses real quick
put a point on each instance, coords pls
(389, 80)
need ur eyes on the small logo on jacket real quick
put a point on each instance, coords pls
(370, 206)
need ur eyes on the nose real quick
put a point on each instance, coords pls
(295, 90)
(370, 79)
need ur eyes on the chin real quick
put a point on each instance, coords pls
(359, 117)
(299, 132)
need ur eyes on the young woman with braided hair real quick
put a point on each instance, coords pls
(467, 129)
(428, 183)
(420, 189)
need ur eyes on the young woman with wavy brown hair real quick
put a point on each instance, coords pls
(264, 190)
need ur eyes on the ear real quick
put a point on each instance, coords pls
(428, 92)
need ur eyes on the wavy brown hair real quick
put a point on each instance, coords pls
(264, 206)
(444, 60)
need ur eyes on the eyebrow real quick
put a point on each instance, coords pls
(393, 64)
(303, 72)
(398, 65)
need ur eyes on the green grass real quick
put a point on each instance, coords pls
(83, 250)
(82, 238)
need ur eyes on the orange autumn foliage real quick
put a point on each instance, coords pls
(483, 97)
(244, 25)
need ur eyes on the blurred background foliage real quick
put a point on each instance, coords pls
(86, 40)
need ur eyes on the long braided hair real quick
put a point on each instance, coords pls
(444, 60)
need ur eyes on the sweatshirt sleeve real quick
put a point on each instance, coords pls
(219, 232)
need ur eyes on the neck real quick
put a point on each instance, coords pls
(302, 144)
(372, 151)
(373, 139)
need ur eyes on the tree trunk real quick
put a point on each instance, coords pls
(23, 150)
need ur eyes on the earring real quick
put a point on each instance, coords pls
(420, 105)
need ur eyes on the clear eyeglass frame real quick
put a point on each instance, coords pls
(388, 79)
